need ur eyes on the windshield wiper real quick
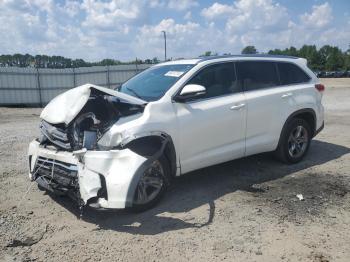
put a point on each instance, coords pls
(134, 92)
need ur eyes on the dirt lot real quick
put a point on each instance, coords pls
(244, 210)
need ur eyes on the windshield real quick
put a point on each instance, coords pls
(153, 83)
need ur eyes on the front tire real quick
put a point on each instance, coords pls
(152, 185)
(294, 141)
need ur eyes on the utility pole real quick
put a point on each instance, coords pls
(164, 33)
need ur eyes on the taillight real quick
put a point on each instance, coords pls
(320, 87)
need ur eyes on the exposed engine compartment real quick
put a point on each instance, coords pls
(99, 113)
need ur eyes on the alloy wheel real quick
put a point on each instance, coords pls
(150, 184)
(298, 141)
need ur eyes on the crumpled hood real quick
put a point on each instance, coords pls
(66, 106)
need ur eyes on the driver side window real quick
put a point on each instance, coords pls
(219, 79)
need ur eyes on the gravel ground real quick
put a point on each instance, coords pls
(243, 210)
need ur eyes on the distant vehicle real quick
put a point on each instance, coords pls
(329, 74)
(118, 149)
(339, 74)
(321, 74)
(343, 73)
(336, 74)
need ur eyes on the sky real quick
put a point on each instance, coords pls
(126, 29)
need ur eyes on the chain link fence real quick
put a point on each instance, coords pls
(37, 86)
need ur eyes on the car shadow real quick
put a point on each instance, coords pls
(201, 188)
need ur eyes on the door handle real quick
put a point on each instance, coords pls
(287, 95)
(237, 107)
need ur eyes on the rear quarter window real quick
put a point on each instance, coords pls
(254, 75)
(291, 74)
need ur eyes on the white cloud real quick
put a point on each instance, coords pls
(188, 15)
(252, 22)
(183, 40)
(108, 15)
(42, 5)
(181, 5)
(124, 29)
(257, 15)
(53, 28)
(267, 24)
(217, 10)
(72, 8)
(169, 26)
(320, 16)
(178, 5)
(156, 3)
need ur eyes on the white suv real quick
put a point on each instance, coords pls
(118, 149)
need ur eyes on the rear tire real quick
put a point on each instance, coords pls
(152, 185)
(294, 142)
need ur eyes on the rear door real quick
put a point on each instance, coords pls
(268, 104)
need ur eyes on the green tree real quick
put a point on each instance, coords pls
(148, 61)
(250, 49)
(347, 62)
(207, 53)
(312, 55)
(335, 60)
(109, 62)
(332, 58)
(155, 60)
(347, 59)
(292, 51)
(79, 63)
(276, 52)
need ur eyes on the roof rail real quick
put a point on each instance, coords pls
(205, 58)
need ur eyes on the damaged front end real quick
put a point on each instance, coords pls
(78, 128)
(101, 179)
(67, 158)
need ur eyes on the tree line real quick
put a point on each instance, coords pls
(45, 61)
(326, 58)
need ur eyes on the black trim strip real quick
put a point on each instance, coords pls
(319, 130)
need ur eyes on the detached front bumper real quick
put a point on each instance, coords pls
(103, 179)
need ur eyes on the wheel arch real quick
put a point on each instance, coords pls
(307, 114)
(151, 146)
(155, 144)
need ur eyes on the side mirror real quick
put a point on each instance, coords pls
(117, 87)
(190, 92)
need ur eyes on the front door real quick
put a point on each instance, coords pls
(212, 128)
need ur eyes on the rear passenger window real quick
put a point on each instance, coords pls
(253, 75)
(219, 79)
(291, 74)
